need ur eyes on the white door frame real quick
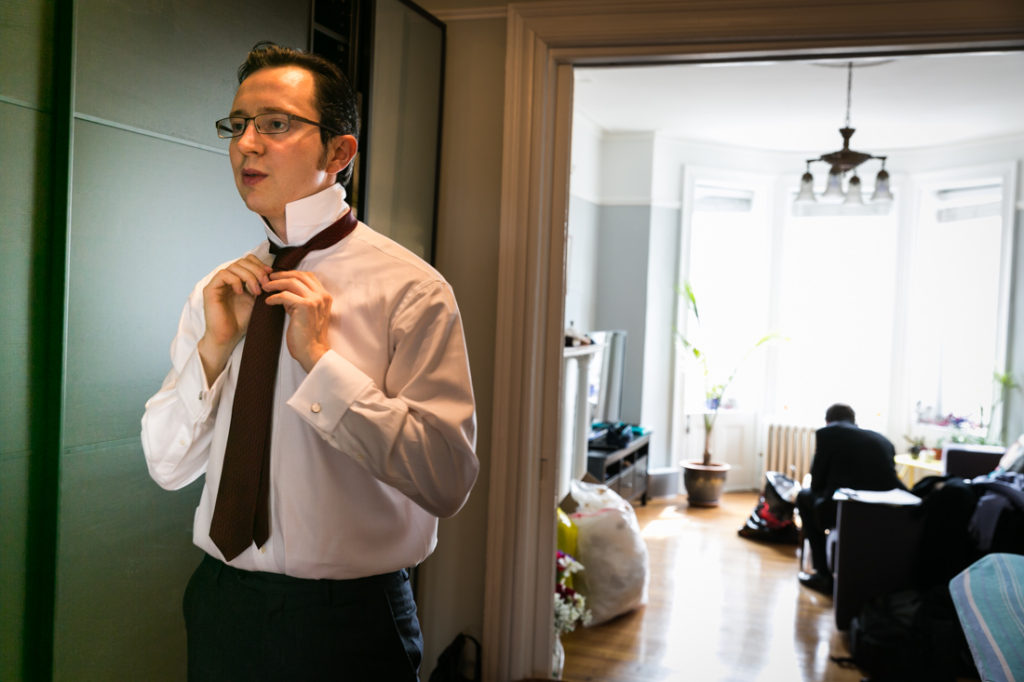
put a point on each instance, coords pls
(544, 41)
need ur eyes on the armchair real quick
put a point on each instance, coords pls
(968, 461)
(877, 545)
(875, 552)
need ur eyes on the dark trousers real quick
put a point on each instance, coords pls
(817, 514)
(244, 626)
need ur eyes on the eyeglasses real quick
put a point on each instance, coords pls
(273, 123)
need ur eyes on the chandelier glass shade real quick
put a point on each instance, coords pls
(843, 162)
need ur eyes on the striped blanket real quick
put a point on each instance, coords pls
(989, 600)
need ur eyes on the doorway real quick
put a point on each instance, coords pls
(675, 179)
(543, 44)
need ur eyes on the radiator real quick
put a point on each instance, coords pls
(789, 450)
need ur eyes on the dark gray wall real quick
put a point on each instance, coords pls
(627, 256)
(621, 301)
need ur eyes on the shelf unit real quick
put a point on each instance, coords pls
(624, 470)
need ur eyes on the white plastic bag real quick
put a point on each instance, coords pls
(592, 497)
(614, 556)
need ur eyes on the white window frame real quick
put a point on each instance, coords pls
(765, 188)
(917, 186)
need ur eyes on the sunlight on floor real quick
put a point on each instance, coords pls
(721, 608)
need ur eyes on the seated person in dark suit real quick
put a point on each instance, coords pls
(845, 456)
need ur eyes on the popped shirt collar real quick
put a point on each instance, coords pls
(305, 217)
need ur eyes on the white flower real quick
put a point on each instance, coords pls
(570, 606)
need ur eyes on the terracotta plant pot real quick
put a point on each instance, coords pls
(704, 482)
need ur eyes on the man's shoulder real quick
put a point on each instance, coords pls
(879, 438)
(837, 428)
(850, 431)
(391, 257)
(869, 438)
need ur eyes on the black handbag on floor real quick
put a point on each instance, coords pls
(772, 518)
(451, 663)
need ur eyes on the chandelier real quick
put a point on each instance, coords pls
(845, 161)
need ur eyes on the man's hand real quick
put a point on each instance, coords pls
(227, 304)
(308, 306)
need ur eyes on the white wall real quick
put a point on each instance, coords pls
(581, 243)
(659, 338)
(581, 270)
(587, 167)
(627, 169)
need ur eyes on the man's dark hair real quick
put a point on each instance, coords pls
(333, 95)
(840, 413)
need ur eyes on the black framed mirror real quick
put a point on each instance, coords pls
(393, 51)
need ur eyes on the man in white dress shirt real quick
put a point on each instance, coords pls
(373, 422)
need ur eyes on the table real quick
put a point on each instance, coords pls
(909, 467)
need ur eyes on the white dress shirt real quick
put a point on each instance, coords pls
(370, 447)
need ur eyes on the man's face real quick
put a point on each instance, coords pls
(272, 170)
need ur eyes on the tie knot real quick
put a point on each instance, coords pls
(287, 257)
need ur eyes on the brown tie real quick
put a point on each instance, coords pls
(242, 514)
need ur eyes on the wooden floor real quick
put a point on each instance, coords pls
(721, 608)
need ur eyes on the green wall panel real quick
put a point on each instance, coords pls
(26, 36)
(150, 217)
(171, 66)
(154, 208)
(22, 141)
(125, 555)
(13, 527)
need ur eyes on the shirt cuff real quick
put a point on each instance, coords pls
(198, 398)
(328, 391)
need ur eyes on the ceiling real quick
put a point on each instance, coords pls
(901, 103)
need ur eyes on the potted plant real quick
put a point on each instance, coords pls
(1005, 385)
(916, 445)
(704, 479)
